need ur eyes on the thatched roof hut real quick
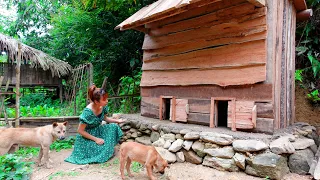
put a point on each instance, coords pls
(34, 57)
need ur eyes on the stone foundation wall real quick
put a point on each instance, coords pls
(290, 150)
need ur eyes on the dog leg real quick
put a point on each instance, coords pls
(40, 157)
(46, 157)
(3, 151)
(149, 164)
(122, 162)
(128, 167)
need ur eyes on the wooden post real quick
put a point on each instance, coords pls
(17, 121)
(233, 126)
(160, 107)
(212, 113)
(173, 109)
(90, 79)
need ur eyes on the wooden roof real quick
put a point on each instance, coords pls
(34, 57)
(166, 8)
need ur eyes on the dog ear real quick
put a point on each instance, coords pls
(55, 124)
(65, 123)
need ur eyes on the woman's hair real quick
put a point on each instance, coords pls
(95, 93)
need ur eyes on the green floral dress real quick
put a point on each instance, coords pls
(87, 151)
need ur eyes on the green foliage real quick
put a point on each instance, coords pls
(130, 85)
(62, 174)
(298, 75)
(315, 64)
(136, 167)
(314, 96)
(26, 152)
(13, 168)
(58, 145)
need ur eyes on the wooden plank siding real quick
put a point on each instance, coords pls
(29, 76)
(284, 65)
(188, 51)
(257, 92)
(199, 109)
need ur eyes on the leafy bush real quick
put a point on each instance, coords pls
(63, 144)
(26, 152)
(314, 96)
(12, 167)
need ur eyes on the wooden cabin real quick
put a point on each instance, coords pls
(221, 63)
(35, 68)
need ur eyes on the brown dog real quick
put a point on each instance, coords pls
(41, 137)
(147, 155)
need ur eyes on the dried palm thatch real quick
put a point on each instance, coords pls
(34, 57)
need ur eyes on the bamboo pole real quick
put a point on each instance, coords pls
(17, 121)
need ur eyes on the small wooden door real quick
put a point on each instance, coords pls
(246, 114)
(179, 110)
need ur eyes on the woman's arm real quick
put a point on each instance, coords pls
(111, 120)
(82, 132)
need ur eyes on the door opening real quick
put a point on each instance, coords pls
(222, 116)
(167, 108)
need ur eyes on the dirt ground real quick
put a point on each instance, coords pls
(110, 171)
(304, 110)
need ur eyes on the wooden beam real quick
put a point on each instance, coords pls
(17, 121)
(212, 113)
(160, 108)
(173, 115)
(258, 3)
(256, 92)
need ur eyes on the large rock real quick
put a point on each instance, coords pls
(192, 157)
(167, 155)
(192, 136)
(167, 144)
(154, 136)
(187, 145)
(170, 137)
(220, 163)
(240, 160)
(226, 152)
(282, 145)
(249, 145)
(300, 162)
(159, 143)
(184, 131)
(176, 145)
(198, 147)
(166, 129)
(302, 143)
(144, 140)
(180, 157)
(217, 138)
(268, 164)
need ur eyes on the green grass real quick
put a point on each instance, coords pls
(62, 174)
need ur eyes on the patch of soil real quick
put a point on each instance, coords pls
(305, 112)
(110, 171)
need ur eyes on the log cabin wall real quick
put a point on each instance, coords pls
(284, 66)
(218, 50)
(29, 76)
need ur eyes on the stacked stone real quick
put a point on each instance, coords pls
(287, 152)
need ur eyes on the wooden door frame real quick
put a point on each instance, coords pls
(212, 111)
(173, 107)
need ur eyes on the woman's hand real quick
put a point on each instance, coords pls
(99, 141)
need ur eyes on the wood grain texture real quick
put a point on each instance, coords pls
(151, 42)
(220, 57)
(239, 12)
(258, 3)
(257, 92)
(221, 77)
(196, 11)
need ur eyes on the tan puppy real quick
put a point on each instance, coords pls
(147, 155)
(41, 137)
